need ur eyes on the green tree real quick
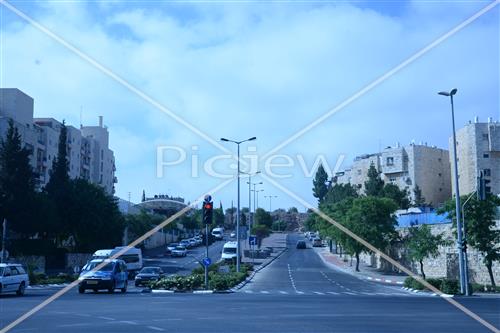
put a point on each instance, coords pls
(422, 244)
(96, 221)
(17, 185)
(372, 219)
(293, 210)
(279, 225)
(263, 217)
(319, 184)
(400, 197)
(339, 192)
(374, 185)
(59, 189)
(419, 200)
(260, 231)
(482, 233)
(218, 216)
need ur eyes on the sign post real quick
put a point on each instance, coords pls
(207, 220)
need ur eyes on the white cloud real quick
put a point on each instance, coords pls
(243, 70)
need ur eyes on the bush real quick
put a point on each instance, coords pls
(450, 286)
(180, 283)
(413, 284)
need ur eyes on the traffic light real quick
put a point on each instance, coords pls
(208, 208)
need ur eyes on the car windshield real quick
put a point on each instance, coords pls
(229, 250)
(150, 270)
(180, 248)
(91, 265)
(1, 271)
(173, 245)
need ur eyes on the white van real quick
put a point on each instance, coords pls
(229, 251)
(218, 233)
(132, 257)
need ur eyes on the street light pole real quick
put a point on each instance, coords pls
(4, 236)
(258, 197)
(457, 195)
(270, 200)
(238, 250)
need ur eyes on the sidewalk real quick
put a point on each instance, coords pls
(366, 272)
(276, 242)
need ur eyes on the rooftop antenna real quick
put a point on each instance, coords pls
(81, 115)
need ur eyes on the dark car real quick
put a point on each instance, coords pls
(301, 245)
(147, 275)
(111, 275)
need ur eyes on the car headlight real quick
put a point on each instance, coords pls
(106, 278)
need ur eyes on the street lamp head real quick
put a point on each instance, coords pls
(453, 91)
(448, 94)
(224, 139)
(260, 183)
(252, 138)
(443, 93)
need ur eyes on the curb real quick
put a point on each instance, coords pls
(425, 292)
(385, 280)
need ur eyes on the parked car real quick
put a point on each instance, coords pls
(193, 242)
(317, 242)
(148, 274)
(171, 247)
(113, 275)
(301, 244)
(186, 243)
(218, 233)
(179, 251)
(232, 235)
(312, 236)
(13, 279)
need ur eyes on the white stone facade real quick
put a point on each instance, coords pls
(89, 156)
(478, 149)
(408, 166)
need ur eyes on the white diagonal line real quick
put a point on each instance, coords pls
(382, 78)
(105, 70)
(119, 253)
(380, 253)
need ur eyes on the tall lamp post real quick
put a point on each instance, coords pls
(457, 195)
(238, 205)
(257, 191)
(249, 182)
(270, 201)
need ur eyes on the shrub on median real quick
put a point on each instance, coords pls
(444, 285)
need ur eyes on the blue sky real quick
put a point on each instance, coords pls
(260, 69)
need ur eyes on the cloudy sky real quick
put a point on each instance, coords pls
(240, 69)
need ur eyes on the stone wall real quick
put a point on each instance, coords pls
(77, 260)
(446, 263)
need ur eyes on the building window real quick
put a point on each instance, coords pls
(439, 159)
(392, 179)
(439, 174)
(485, 136)
(440, 189)
(390, 161)
(486, 155)
(359, 172)
(487, 172)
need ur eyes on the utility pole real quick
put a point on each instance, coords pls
(457, 195)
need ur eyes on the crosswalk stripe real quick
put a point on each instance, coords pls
(300, 292)
(318, 293)
(249, 291)
(264, 292)
(283, 292)
(349, 293)
(333, 293)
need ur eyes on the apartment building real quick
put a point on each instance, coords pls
(407, 167)
(478, 149)
(89, 156)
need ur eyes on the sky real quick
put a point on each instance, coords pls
(180, 75)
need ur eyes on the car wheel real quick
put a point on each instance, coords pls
(124, 289)
(22, 288)
(81, 290)
(112, 288)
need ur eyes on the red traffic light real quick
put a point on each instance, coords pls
(208, 205)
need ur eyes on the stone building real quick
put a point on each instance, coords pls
(478, 149)
(89, 156)
(407, 167)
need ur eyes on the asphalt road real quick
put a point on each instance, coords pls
(184, 265)
(307, 298)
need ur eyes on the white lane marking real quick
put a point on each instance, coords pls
(128, 322)
(318, 293)
(249, 291)
(106, 318)
(264, 292)
(283, 292)
(349, 293)
(333, 293)
(299, 292)
(155, 328)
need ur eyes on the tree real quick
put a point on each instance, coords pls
(372, 219)
(58, 188)
(339, 192)
(218, 216)
(260, 231)
(422, 244)
(400, 197)
(319, 184)
(143, 196)
(293, 210)
(263, 217)
(482, 233)
(17, 184)
(96, 221)
(374, 185)
(419, 200)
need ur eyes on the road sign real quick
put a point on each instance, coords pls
(207, 261)
(252, 240)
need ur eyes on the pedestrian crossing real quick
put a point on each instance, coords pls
(329, 293)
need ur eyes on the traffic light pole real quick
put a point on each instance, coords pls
(206, 267)
(464, 246)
